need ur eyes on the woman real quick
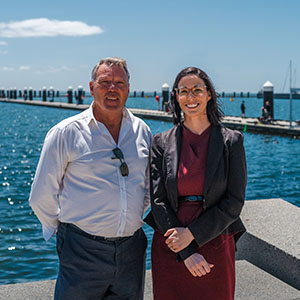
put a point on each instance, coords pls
(198, 181)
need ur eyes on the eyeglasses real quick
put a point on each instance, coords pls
(123, 167)
(196, 91)
(105, 84)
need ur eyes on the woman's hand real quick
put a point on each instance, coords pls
(197, 265)
(178, 238)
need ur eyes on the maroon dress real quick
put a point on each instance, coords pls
(171, 279)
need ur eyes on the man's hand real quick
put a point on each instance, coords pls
(197, 265)
(178, 238)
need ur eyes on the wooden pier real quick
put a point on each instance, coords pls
(278, 127)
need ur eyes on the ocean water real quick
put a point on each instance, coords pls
(273, 172)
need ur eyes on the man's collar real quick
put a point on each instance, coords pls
(90, 115)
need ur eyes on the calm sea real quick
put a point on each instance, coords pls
(273, 172)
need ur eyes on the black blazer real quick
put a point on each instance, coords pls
(224, 188)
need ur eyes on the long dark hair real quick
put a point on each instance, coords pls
(213, 110)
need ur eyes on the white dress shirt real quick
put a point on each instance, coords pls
(78, 182)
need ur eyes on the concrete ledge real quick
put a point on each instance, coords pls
(272, 241)
(251, 284)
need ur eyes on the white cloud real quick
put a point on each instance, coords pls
(58, 69)
(24, 68)
(47, 28)
(51, 69)
(3, 43)
(6, 69)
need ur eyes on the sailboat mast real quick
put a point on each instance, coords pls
(291, 96)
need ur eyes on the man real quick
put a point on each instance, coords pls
(268, 109)
(243, 108)
(90, 188)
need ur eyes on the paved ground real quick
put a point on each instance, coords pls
(252, 284)
(272, 240)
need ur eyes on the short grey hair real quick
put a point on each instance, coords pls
(110, 61)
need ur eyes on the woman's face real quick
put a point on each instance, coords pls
(192, 96)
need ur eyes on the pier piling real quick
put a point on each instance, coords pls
(51, 93)
(165, 96)
(80, 95)
(70, 94)
(44, 93)
(30, 93)
(25, 93)
(268, 89)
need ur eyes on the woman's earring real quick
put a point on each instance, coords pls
(182, 115)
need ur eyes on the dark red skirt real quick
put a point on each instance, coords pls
(172, 280)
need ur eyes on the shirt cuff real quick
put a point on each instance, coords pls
(48, 232)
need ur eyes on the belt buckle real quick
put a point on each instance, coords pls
(112, 239)
(194, 198)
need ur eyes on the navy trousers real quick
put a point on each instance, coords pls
(92, 267)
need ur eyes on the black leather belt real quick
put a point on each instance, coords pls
(192, 198)
(74, 228)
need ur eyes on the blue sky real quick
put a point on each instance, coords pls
(240, 44)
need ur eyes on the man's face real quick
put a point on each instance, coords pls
(110, 90)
